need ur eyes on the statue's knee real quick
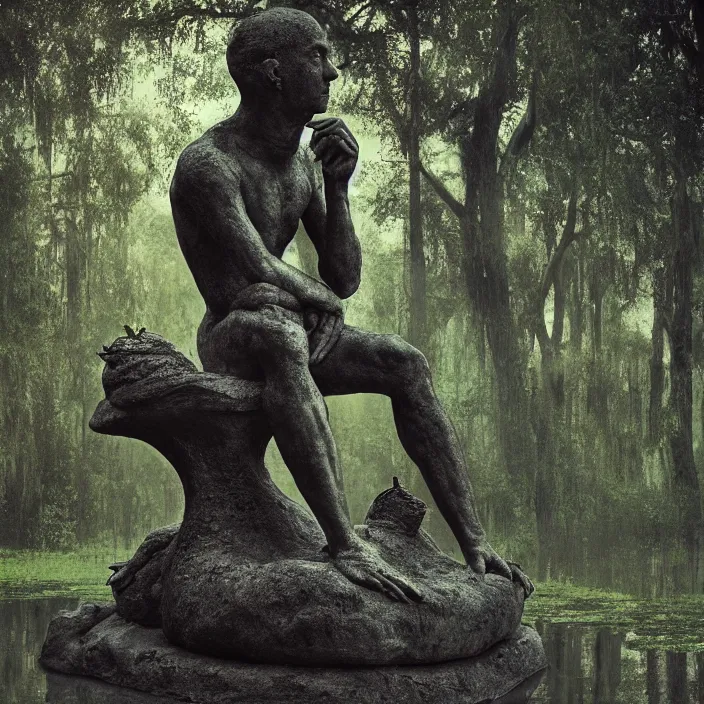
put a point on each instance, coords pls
(282, 341)
(407, 364)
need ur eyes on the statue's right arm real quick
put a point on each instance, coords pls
(208, 193)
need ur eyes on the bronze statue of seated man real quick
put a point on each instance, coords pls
(237, 196)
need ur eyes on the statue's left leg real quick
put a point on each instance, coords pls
(366, 362)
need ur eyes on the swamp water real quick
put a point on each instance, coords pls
(602, 648)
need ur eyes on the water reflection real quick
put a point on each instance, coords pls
(23, 624)
(595, 666)
(588, 665)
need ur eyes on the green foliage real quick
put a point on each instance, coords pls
(26, 574)
(77, 155)
(671, 624)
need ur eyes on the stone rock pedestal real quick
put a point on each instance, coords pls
(140, 658)
(242, 603)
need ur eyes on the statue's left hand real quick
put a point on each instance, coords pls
(335, 146)
(324, 330)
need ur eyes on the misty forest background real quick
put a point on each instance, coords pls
(529, 202)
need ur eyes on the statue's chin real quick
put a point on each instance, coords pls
(323, 104)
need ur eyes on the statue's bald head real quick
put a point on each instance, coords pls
(266, 35)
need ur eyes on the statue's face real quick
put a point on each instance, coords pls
(306, 74)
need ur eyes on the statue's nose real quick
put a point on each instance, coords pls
(330, 72)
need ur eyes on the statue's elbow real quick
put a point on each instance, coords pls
(343, 282)
(346, 287)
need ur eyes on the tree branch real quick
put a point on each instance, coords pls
(450, 201)
(48, 177)
(351, 20)
(541, 334)
(569, 235)
(504, 65)
(522, 135)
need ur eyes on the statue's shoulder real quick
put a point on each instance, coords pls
(203, 162)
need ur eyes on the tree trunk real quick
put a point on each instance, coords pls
(598, 303)
(597, 390)
(557, 373)
(548, 410)
(484, 247)
(515, 429)
(576, 305)
(657, 368)
(686, 481)
(418, 317)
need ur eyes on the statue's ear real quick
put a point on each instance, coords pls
(271, 71)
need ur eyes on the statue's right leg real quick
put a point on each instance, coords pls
(270, 343)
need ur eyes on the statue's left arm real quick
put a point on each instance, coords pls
(327, 218)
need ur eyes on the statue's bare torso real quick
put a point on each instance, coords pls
(274, 196)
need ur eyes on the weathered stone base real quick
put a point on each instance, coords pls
(69, 689)
(140, 658)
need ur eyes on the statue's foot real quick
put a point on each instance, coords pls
(362, 564)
